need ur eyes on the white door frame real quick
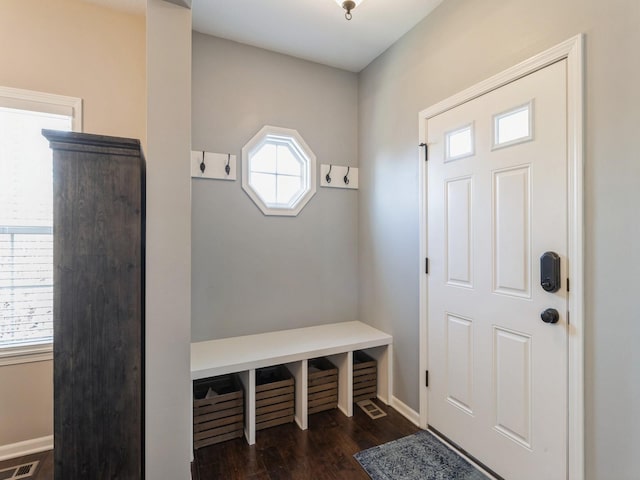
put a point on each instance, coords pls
(572, 51)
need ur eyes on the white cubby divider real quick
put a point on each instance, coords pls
(300, 374)
(344, 362)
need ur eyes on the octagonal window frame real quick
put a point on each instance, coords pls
(279, 136)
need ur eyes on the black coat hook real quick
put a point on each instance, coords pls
(202, 165)
(346, 177)
(328, 177)
(227, 168)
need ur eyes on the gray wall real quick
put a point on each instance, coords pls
(253, 273)
(464, 42)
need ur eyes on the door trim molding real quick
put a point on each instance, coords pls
(572, 51)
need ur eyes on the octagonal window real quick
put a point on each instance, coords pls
(278, 171)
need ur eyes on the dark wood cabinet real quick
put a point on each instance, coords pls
(99, 215)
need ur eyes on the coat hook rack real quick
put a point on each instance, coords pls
(348, 175)
(209, 165)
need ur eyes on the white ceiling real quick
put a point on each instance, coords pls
(315, 30)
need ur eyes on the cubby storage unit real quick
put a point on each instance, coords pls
(294, 350)
(322, 386)
(275, 396)
(365, 377)
(218, 410)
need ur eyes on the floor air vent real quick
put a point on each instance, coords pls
(25, 470)
(371, 409)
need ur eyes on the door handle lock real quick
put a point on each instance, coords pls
(550, 272)
(550, 315)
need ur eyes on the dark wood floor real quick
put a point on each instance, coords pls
(45, 468)
(324, 451)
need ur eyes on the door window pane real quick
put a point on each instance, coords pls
(459, 143)
(513, 126)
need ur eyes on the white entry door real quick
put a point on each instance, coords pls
(497, 201)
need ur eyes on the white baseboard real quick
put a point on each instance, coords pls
(20, 449)
(406, 411)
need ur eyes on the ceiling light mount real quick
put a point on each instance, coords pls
(348, 5)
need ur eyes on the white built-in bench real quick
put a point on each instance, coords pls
(293, 348)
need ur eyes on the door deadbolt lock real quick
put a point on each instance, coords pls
(550, 272)
(550, 315)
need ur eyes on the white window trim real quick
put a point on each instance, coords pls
(256, 140)
(47, 103)
(40, 352)
(43, 102)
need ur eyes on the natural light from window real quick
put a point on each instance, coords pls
(514, 126)
(26, 226)
(459, 143)
(278, 171)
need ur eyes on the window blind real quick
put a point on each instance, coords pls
(26, 287)
(26, 230)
